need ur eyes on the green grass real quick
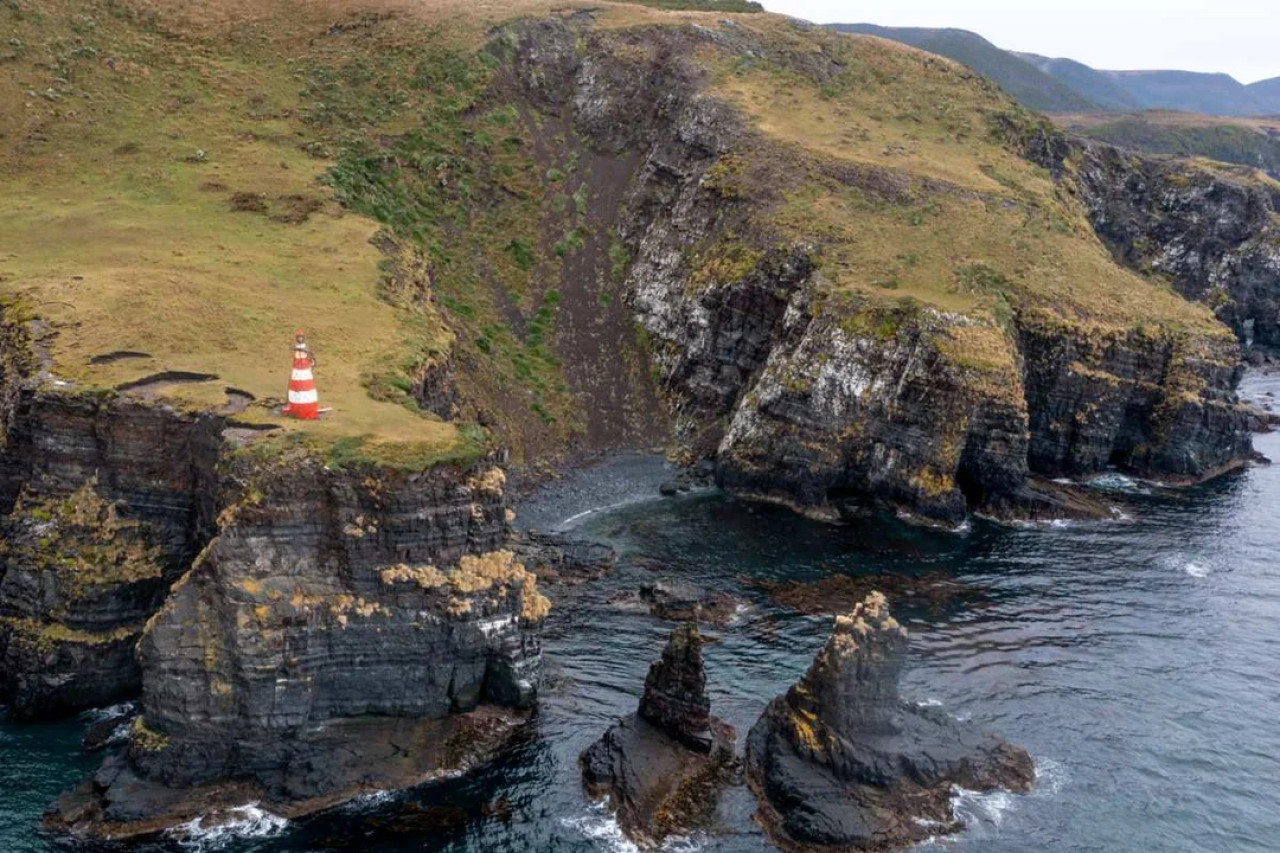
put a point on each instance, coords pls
(237, 171)
(1249, 142)
(174, 212)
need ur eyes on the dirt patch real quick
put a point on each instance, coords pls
(118, 355)
(291, 209)
(296, 209)
(237, 401)
(168, 377)
(249, 202)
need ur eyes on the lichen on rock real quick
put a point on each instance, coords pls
(78, 578)
(248, 670)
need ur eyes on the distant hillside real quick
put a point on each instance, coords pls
(1026, 83)
(1189, 91)
(1267, 91)
(1052, 85)
(1250, 142)
(1097, 86)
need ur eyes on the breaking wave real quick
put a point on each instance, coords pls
(1114, 482)
(207, 833)
(601, 826)
(1197, 568)
(95, 715)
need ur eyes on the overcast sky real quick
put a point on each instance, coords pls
(1240, 37)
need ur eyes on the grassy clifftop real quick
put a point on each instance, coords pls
(189, 182)
(159, 199)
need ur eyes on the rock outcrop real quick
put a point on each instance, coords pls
(562, 560)
(108, 501)
(811, 396)
(662, 768)
(1211, 230)
(841, 762)
(346, 630)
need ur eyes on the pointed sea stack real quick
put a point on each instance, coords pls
(663, 767)
(675, 691)
(842, 763)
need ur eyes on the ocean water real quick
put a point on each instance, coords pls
(1138, 661)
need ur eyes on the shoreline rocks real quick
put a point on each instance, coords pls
(662, 767)
(563, 560)
(840, 762)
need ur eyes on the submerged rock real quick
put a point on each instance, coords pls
(936, 590)
(662, 767)
(681, 601)
(110, 727)
(841, 762)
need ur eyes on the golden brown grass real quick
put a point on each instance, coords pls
(119, 163)
(979, 229)
(121, 233)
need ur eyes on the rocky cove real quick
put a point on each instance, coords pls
(1050, 617)
(299, 627)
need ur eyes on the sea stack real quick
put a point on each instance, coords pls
(663, 766)
(840, 762)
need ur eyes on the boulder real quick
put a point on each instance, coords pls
(680, 601)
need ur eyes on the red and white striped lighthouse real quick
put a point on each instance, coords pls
(304, 402)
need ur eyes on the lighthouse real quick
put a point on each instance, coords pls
(304, 402)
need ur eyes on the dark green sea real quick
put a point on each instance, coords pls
(1137, 660)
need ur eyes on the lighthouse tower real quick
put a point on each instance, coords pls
(304, 402)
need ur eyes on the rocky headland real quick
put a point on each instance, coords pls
(662, 767)
(826, 272)
(343, 632)
(841, 762)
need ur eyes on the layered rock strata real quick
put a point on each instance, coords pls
(1212, 230)
(663, 766)
(108, 500)
(346, 630)
(840, 762)
(815, 398)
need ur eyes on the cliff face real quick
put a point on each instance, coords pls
(299, 631)
(108, 501)
(344, 631)
(1212, 230)
(807, 394)
(1159, 404)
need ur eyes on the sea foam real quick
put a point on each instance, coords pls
(212, 832)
